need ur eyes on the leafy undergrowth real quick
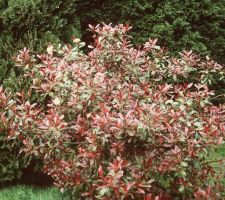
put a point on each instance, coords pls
(22, 192)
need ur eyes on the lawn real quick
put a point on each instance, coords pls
(23, 192)
(218, 154)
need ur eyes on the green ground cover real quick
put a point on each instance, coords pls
(23, 192)
(219, 154)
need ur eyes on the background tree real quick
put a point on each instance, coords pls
(196, 25)
(34, 24)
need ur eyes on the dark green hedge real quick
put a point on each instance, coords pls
(187, 24)
(12, 162)
(33, 24)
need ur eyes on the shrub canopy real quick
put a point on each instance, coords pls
(119, 122)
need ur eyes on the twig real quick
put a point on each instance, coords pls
(212, 161)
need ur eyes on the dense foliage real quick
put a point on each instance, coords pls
(32, 24)
(11, 160)
(120, 122)
(188, 24)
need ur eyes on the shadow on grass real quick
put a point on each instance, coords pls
(33, 185)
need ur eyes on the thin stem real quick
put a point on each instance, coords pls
(213, 161)
(217, 96)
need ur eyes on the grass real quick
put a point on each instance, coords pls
(24, 192)
(218, 154)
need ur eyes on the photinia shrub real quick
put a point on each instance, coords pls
(120, 122)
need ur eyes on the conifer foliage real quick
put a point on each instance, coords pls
(188, 24)
(33, 24)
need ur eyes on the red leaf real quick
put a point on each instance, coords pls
(100, 171)
(24, 142)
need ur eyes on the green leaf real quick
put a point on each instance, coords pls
(104, 191)
(184, 164)
(181, 189)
